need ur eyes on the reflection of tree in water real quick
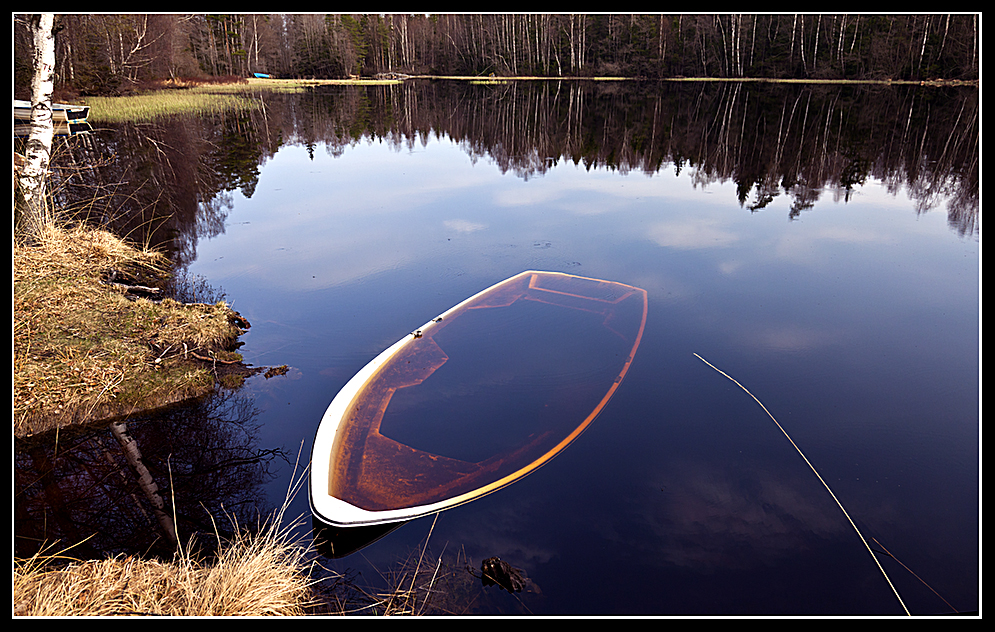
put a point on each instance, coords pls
(78, 486)
(172, 182)
(770, 140)
(166, 183)
(141, 181)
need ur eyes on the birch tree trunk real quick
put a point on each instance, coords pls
(38, 150)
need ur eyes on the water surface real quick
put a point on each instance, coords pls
(837, 282)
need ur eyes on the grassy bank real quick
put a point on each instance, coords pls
(264, 574)
(143, 108)
(87, 349)
(253, 575)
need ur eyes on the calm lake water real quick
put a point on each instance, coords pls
(819, 246)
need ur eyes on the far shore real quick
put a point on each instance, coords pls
(399, 77)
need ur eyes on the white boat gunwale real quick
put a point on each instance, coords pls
(339, 513)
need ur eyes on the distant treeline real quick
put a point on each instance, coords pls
(108, 53)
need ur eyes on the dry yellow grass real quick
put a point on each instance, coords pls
(84, 351)
(148, 107)
(254, 575)
(267, 573)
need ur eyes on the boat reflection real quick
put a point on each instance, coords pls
(337, 542)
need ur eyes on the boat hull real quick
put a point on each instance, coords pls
(475, 399)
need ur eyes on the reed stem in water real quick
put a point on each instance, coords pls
(814, 471)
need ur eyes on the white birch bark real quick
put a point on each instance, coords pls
(38, 149)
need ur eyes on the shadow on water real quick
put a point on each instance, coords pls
(338, 542)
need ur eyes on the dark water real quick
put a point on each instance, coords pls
(819, 246)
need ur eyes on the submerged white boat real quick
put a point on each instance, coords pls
(475, 399)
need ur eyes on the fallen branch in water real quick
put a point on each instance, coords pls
(207, 359)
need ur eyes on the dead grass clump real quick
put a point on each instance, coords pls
(422, 586)
(428, 587)
(83, 351)
(254, 575)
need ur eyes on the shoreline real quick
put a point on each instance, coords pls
(394, 78)
(90, 348)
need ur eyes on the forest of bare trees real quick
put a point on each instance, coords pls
(108, 53)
